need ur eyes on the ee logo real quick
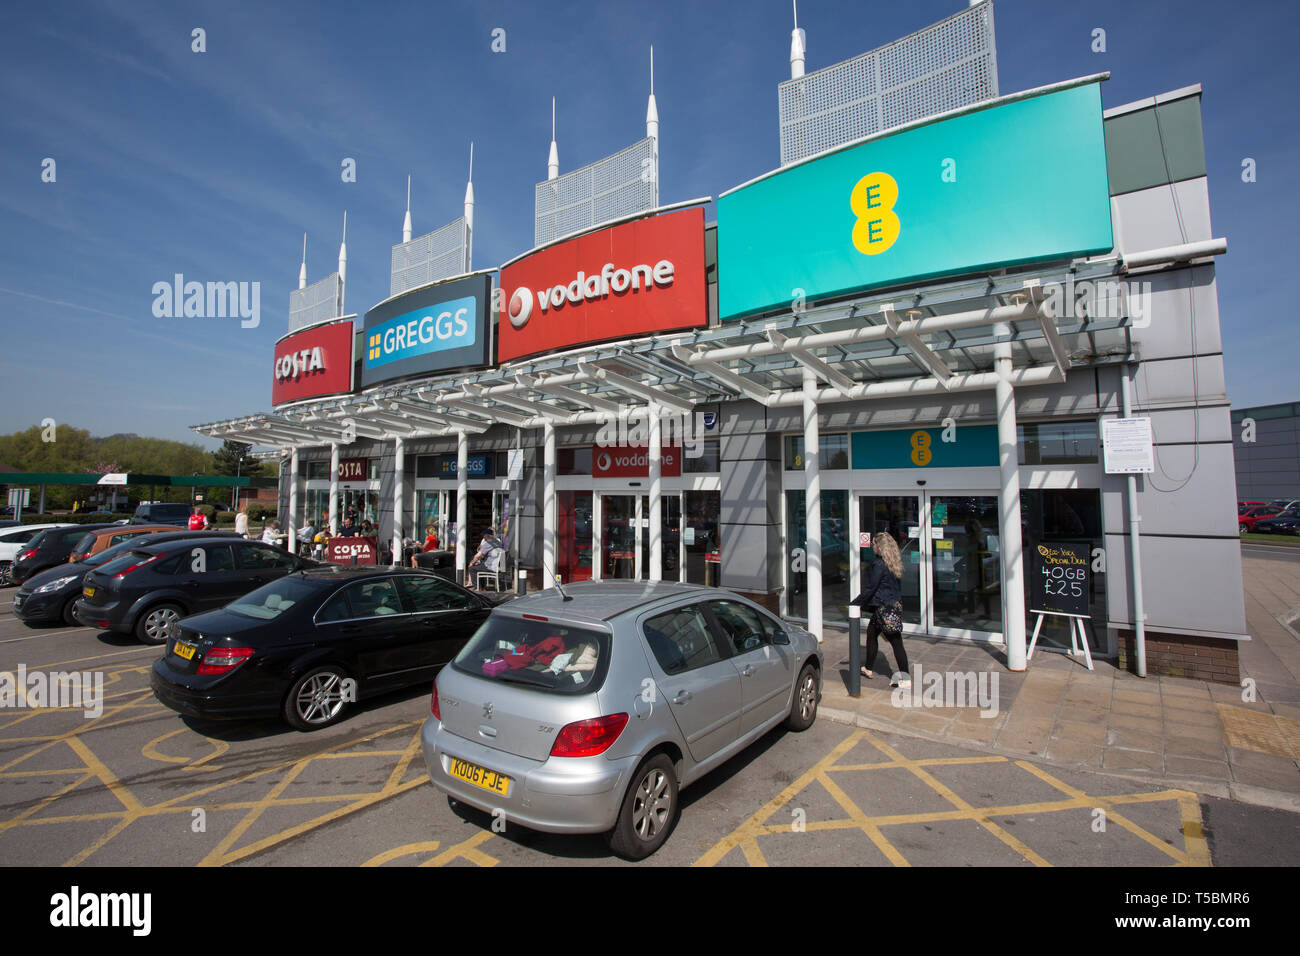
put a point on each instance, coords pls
(921, 453)
(872, 201)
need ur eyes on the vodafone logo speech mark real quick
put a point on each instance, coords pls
(603, 461)
(589, 287)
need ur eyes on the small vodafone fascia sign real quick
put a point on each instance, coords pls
(630, 279)
(632, 461)
(315, 361)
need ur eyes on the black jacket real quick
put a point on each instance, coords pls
(881, 587)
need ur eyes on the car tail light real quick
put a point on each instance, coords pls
(135, 567)
(434, 707)
(74, 558)
(587, 738)
(223, 660)
(29, 553)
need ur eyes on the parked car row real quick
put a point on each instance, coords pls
(580, 711)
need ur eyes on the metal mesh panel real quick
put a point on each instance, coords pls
(428, 258)
(608, 189)
(316, 303)
(943, 67)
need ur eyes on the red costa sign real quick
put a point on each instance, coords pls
(315, 361)
(343, 550)
(629, 461)
(633, 279)
(354, 469)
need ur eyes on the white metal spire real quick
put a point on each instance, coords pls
(469, 213)
(406, 223)
(302, 270)
(798, 44)
(652, 124)
(553, 161)
(343, 263)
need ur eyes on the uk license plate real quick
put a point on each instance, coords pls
(497, 783)
(184, 650)
(88, 591)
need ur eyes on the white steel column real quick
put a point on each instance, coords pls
(549, 516)
(1013, 586)
(462, 503)
(399, 496)
(293, 501)
(656, 494)
(334, 489)
(812, 503)
(1134, 537)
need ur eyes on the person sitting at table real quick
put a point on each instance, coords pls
(489, 554)
(349, 529)
(430, 544)
(272, 533)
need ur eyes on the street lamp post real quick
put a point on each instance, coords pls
(238, 465)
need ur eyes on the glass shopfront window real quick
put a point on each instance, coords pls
(700, 532)
(1057, 443)
(706, 463)
(835, 555)
(573, 461)
(574, 534)
(834, 451)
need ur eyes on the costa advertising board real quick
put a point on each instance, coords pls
(316, 361)
(631, 461)
(430, 329)
(631, 279)
(1015, 182)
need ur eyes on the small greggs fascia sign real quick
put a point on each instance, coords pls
(1016, 181)
(313, 362)
(631, 279)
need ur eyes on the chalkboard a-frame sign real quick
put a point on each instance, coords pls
(1060, 579)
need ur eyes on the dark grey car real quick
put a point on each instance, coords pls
(589, 714)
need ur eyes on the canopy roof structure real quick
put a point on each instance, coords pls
(930, 340)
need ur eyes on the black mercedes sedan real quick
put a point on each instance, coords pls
(147, 589)
(48, 597)
(308, 645)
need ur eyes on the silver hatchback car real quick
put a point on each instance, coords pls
(587, 710)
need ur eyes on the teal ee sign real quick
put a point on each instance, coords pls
(971, 446)
(1014, 182)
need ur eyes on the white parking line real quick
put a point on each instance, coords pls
(33, 637)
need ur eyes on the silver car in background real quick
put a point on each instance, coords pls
(587, 710)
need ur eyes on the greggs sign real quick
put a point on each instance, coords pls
(313, 362)
(631, 279)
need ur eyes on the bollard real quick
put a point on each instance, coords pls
(855, 651)
(521, 582)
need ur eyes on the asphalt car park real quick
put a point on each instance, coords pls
(138, 785)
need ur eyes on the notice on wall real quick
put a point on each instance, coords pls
(516, 464)
(1059, 578)
(690, 536)
(1126, 443)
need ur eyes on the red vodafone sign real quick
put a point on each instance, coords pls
(315, 361)
(631, 461)
(632, 279)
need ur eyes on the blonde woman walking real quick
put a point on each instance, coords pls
(882, 595)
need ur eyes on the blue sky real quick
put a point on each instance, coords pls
(214, 164)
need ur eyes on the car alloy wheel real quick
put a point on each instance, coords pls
(649, 810)
(317, 699)
(159, 624)
(803, 711)
(6, 574)
(652, 805)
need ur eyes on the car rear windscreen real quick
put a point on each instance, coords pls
(552, 657)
